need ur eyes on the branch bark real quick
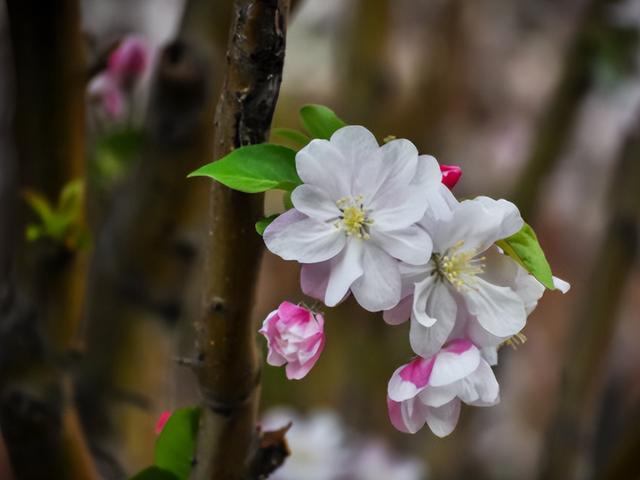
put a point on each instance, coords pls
(229, 372)
(595, 320)
(41, 281)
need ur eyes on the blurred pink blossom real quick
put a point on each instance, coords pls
(129, 61)
(105, 91)
(295, 336)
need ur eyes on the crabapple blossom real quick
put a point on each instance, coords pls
(295, 337)
(429, 390)
(356, 216)
(105, 91)
(467, 290)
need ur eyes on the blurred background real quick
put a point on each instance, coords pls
(537, 100)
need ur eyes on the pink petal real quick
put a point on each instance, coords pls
(450, 175)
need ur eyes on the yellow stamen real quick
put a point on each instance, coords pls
(515, 341)
(459, 267)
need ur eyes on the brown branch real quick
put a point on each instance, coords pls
(42, 283)
(557, 121)
(623, 461)
(229, 374)
(596, 318)
(142, 266)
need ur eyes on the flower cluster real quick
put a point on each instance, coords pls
(380, 223)
(125, 67)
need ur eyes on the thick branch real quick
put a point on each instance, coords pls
(595, 320)
(229, 374)
(41, 301)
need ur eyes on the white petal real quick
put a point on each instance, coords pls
(400, 313)
(428, 172)
(315, 203)
(478, 223)
(438, 396)
(314, 278)
(322, 165)
(450, 367)
(561, 285)
(399, 160)
(399, 389)
(294, 236)
(407, 416)
(411, 245)
(481, 388)
(379, 286)
(398, 208)
(433, 317)
(354, 142)
(345, 269)
(443, 420)
(499, 310)
(490, 355)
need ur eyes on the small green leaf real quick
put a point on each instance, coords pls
(154, 473)
(261, 225)
(39, 204)
(255, 168)
(294, 136)
(525, 249)
(176, 445)
(320, 121)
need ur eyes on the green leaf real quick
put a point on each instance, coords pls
(525, 249)
(154, 473)
(254, 168)
(294, 136)
(176, 445)
(39, 204)
(320, 121)
(261, 225)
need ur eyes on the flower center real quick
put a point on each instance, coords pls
(353, 219)
(459, 267)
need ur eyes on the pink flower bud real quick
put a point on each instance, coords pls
(129, 61)
(450, 175)
(295, 336)
(162, 421)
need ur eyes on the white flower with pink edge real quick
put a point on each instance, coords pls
(429, 390)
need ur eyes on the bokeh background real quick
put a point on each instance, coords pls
(539, 102)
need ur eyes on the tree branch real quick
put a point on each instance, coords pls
(229, 374)
(596, 318)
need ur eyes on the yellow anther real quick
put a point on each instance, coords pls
(459, 267)
(515, 341)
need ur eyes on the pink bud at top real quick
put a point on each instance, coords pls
(162, 421)
(128, 62)
(450, 175)
(295, 336)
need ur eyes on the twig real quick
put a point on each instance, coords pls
(596, 318)
(229, 376)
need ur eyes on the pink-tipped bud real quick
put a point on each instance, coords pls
(162, 421)
(129, 61)
(450, 175)
(295, 337)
